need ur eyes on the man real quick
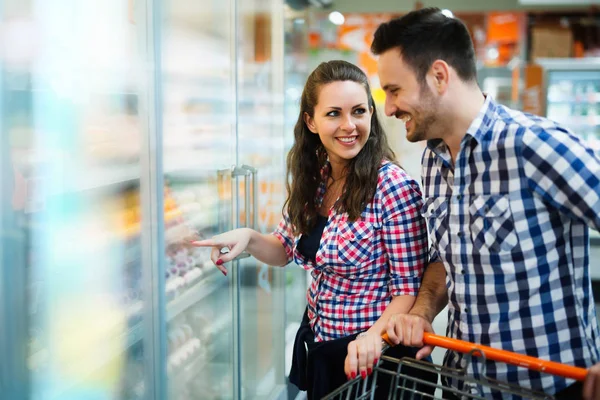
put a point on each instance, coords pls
(508, 198)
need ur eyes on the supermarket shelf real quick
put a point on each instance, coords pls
(134, 335)
(107, 178)
(220, 324)
(98, 178)
(192, 369)
(568, 64)
(176, 234)
(205, 358)
(211, 281)
(585, 99)
(191, 174)
(202, 222)
(580, 121)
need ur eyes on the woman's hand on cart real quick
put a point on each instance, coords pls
(591, 386)
(363, 354)
(407, 330)
(235, 241)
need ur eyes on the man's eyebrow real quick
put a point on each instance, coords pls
(389, 86)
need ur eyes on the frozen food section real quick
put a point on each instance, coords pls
(130, 128)
(572, 98)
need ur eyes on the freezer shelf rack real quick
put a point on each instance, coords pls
(201, 290)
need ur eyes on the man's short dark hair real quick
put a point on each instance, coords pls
(426, 35)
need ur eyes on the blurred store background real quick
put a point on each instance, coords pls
(129, 126)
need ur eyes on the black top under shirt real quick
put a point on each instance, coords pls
(308, 245)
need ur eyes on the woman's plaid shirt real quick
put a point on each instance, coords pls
(360, 265)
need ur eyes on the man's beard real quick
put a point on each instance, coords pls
(423, 125)
(421, 128)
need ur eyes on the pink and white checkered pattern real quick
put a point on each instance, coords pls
(361, 265)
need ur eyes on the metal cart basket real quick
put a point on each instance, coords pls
(404, 386)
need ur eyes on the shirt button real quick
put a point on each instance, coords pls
(462, 271)
(460, 234)
(459, 196)
(466, 310)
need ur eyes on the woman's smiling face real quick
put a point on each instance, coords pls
(342, 119)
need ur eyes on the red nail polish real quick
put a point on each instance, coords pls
(369, 370)
(376, 361)
(219, 262)
(363, 374)
(224, 273)
(348, 377)
(353, 375)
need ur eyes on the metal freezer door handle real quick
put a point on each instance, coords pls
(252, 222)
(263, 275)
(236, 173)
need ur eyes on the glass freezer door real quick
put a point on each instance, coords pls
(73, 298)
(199, 142)
(261, 146)
(573, 99)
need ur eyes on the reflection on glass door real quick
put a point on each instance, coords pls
(71, 141)
(198, 152)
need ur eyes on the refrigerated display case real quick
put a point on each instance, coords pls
(572, 98)
(572, 95)
(499, 82)
(130, 128)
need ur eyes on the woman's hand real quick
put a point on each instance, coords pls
(236, 241)
(363, 355)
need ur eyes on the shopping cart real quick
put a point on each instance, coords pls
(405, 386)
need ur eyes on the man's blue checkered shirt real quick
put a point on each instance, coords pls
(510, 223)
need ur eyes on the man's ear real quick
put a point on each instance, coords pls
(440, 76)
(310, 123)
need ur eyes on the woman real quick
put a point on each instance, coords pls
(352, 219)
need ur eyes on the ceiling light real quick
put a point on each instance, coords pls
(447, 13)
(493, 53)
(336, 17)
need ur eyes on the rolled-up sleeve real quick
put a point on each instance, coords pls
(404, 232)
(564, 171)
(284, 233)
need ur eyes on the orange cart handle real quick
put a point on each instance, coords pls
(550, 367)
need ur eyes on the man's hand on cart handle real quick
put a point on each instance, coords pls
(591, 376)
(408, 330)
(591, 386)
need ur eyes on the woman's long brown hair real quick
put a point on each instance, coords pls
(308, 155)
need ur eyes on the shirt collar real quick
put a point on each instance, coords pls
(478, 128)
(481, 124)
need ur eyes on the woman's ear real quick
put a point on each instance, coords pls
(310, 123)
